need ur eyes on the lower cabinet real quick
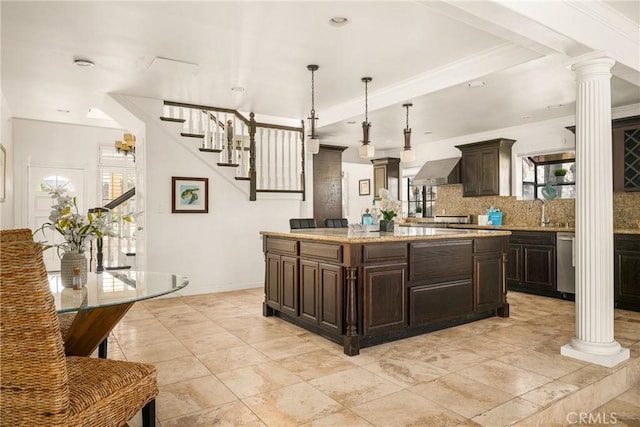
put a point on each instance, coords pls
(532, 262)
(321, 289)
(440, 301)
(384, 298)
(627, 271)
(487, 272)
(282, 283)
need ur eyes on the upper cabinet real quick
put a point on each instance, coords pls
(386, 174)
(626, 154)
(486, 168)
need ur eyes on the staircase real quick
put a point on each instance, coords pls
(270, 157)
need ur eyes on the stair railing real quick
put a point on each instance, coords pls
(270, 156)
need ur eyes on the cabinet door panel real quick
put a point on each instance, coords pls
(427, 265)
(384, 298)
(489, 169)
(514, 263)
(470, 173)
(627, 272)
(309, 291)
(272, 281)
(289, 278)
(330, 297)
(539, 263)
(488, 278)
(439, 302)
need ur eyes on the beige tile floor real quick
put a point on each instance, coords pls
(221, 363)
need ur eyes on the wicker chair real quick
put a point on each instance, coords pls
(25, 235)
(38, 384)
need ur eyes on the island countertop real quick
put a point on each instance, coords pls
(343, 235)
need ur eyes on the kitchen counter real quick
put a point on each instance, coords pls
(365, 288)
(535, 228)
(342, 235)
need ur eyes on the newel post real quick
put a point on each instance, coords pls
(252, 157)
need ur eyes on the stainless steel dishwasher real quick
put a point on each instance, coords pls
(565, 261)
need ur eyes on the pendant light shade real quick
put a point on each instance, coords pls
(313, 143)
(407, 154)
(366, 150)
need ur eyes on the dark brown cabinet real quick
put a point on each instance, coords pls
(386, 174)
(486, 168)
(282, 278)
(385, 288)
(487, 273)
(626, 154)
(627, 271)
(532, 262)
(321, 287)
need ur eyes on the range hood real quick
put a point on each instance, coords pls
(438, 172)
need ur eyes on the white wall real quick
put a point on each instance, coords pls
(6, 139)
(356, 204)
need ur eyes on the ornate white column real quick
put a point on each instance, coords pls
(594, 341)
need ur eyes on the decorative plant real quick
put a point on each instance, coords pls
(76, 229)
(560, 172)
(389, 208)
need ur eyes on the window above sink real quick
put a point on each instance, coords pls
(547, 176)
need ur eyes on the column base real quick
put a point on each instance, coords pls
(607, 355)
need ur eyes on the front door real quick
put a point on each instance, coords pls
(40, 179)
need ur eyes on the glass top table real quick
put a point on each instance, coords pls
(113, 288)
(99, 305)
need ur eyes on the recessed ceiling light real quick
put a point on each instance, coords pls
(238, 89)
(475, 83)
(554, 106)
(62, 110)
(352, 122)
(84, 63)
(526, 117)
(428, 132)
(338, 21)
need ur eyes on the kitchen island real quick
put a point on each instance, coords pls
(364, 288)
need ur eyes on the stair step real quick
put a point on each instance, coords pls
(192, 135)
(229, 165)
(210, 150)
(172, 119)
(242, 178)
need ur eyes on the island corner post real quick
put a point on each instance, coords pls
(362, 290)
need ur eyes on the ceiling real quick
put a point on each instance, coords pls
(424, 52)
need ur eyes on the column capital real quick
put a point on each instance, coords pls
(599, 59)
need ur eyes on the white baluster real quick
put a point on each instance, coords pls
(290, 185)
(269, 150)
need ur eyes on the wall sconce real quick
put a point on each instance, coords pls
(407, 154)
(313, 144)
(366, 150)
(128, 146)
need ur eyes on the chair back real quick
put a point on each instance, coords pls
(336, 222)
(296, 223)
(15, 235)
(33, 371)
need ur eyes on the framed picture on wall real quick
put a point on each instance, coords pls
(3, 172)
(365, 187)
(189, 195)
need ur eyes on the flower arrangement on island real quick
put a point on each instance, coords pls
(389, 208)
(77, 229)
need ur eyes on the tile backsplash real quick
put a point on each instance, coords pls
(449, 201)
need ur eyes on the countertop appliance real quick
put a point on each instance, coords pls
(565, 260)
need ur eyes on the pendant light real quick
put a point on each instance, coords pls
(313, 144)
(407, 154)
(366, 149)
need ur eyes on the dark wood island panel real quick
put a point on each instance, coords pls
(364, 289)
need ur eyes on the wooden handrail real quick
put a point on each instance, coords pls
(121, 199)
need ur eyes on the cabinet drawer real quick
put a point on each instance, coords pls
(487, 245)
(282, 245)
(427, 303)
(385, 252)
(624, 242)
(324, 251)
(547, 238)
(427, 264)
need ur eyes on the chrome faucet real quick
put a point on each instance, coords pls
(543, 218)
